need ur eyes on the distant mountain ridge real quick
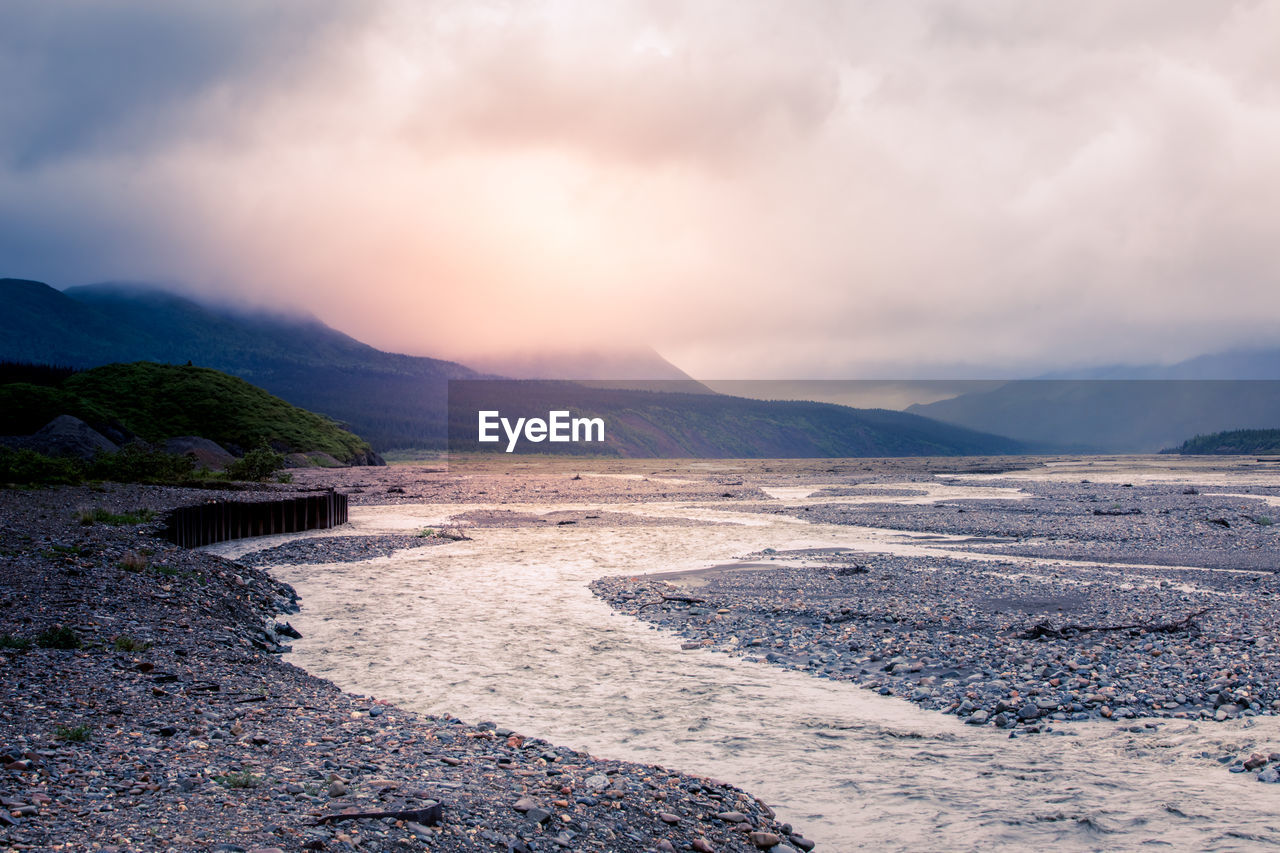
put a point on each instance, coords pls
(400, 401)
(1258, 363)
(390, 399)
(1112, 415)
(687, 423)
(627, 365)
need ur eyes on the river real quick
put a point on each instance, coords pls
(503, 628)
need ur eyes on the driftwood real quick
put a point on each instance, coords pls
(686, 599)
(1066, 632)
(429, 816)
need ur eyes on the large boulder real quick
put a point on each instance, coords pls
(370, 458)
(206, 453)
(69, 436)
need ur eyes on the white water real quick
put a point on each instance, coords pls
(503, 628)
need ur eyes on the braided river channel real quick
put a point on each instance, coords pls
(504, 628)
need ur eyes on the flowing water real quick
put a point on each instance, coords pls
(503, 628)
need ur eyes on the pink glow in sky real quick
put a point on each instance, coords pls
(753, 188)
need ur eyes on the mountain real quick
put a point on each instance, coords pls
(1112, 415)
(1242, 441)
(392, 400)
(626, 364)
(1234, 364)
(401, 401)
(156, 402)
(649, 423)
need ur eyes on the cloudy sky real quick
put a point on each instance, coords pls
(756, 189)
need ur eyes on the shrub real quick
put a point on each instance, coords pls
(28, 468)
(256, 465)
(137, 463)
(9, 641)
(58, 637)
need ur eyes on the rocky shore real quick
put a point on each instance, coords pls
(144, 707)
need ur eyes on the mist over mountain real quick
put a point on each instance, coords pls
(1112, 415)
(688, 423)
(392, 400)
(401, 401)
(629, 363)
(1255, 363)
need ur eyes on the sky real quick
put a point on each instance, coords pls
(755, 189)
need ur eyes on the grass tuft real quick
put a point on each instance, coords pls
(99, 515)
(238, 779)
(126, 643)
(134, 562)
(72, 734)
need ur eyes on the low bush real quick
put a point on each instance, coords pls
(58, 637)
(257, 465)
(28, 468)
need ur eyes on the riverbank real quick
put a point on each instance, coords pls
(145, 707)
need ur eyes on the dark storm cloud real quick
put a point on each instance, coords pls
(81, 77)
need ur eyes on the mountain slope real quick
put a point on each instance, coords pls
(1112, 416)
(400, 401)
(1235, 364)
(393, 400)
(645, 423)
(161, 401)
(1235, 442)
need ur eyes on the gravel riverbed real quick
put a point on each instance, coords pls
(1077, 601)
(145, 707)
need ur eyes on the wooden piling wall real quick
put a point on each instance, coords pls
(218, 521)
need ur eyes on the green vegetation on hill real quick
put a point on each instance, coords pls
(1233, 442)
(25, 408)
(156, 402)
(160, 401)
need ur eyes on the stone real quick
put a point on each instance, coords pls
(69, 436)
(702, 845)
(418, 829)
(764, 840)
(524, 804)
(206, 453)
(802, 843)
(337, 788)
(1271, 776)
(668, 817)
(732, 817)
(1028, 711)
